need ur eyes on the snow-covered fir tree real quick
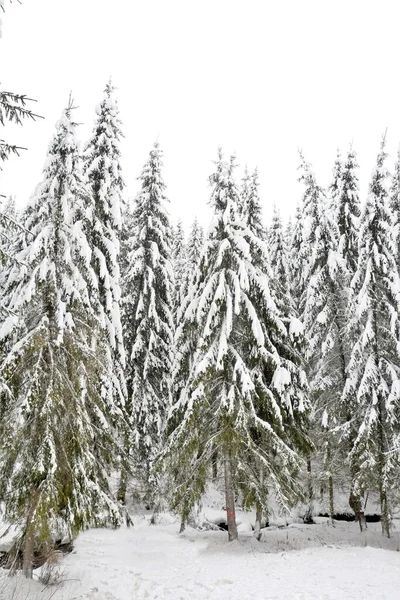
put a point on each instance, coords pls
(348, 213)
(148, 318)
(324, 320)
(278, 252)
(242, 388)
(395, 205)
(334, 189)
(194, 248)
(103, 170)
(8, 228)
(58, 435)
(299, 259)
(250, 203)
(179, 264)
(372, 389)
(195, 244)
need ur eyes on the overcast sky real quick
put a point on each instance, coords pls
(260, 78)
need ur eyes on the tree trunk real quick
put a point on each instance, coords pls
(183, 526)
(121, 494)
(308, 517)
(331, 502)
(29, 539)
(29, 546)
(383, 451)
(257, 525)
(214, 460)
(230, 497)
(330, 484)
(355, 502)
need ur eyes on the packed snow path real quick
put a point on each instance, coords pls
(154, 562)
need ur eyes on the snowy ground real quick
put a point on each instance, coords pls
(154, 562)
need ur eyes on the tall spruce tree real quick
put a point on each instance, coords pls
(103, 171)
(148, 318)
(58, 438)
(242, 390)
(372, 388)
(314, 205)
(395, 205)
(324, 319)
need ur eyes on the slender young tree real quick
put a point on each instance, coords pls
(180, 265)
(278, 252)
(334, 190)
(242, 390)
(250, 203)
(299, 259)
(348, 213)
(372, 389)
(58, 436)
(148, 319)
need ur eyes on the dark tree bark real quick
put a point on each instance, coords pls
(230, 497)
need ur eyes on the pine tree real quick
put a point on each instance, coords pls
(372, 390)
(148, 319)
(58, 440)
(242, 390)
(103, 171)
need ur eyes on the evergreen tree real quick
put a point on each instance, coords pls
(278, 251)
(324, 320)
(395, 205)
(299, 260)
(180, 265)
(57, 433)
(310, 259)
(193, 252)
(148, 320)
(251, 204)
(195, 244)
(372, 389)
(242, 390)
(103, 171)
(348, 213)
(335, 188)
(8, 226)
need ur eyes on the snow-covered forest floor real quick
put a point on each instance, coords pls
(297, 562)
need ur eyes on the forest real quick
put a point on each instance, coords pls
(169, 382)
(265, 355)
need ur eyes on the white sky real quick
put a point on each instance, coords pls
(258, 77)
